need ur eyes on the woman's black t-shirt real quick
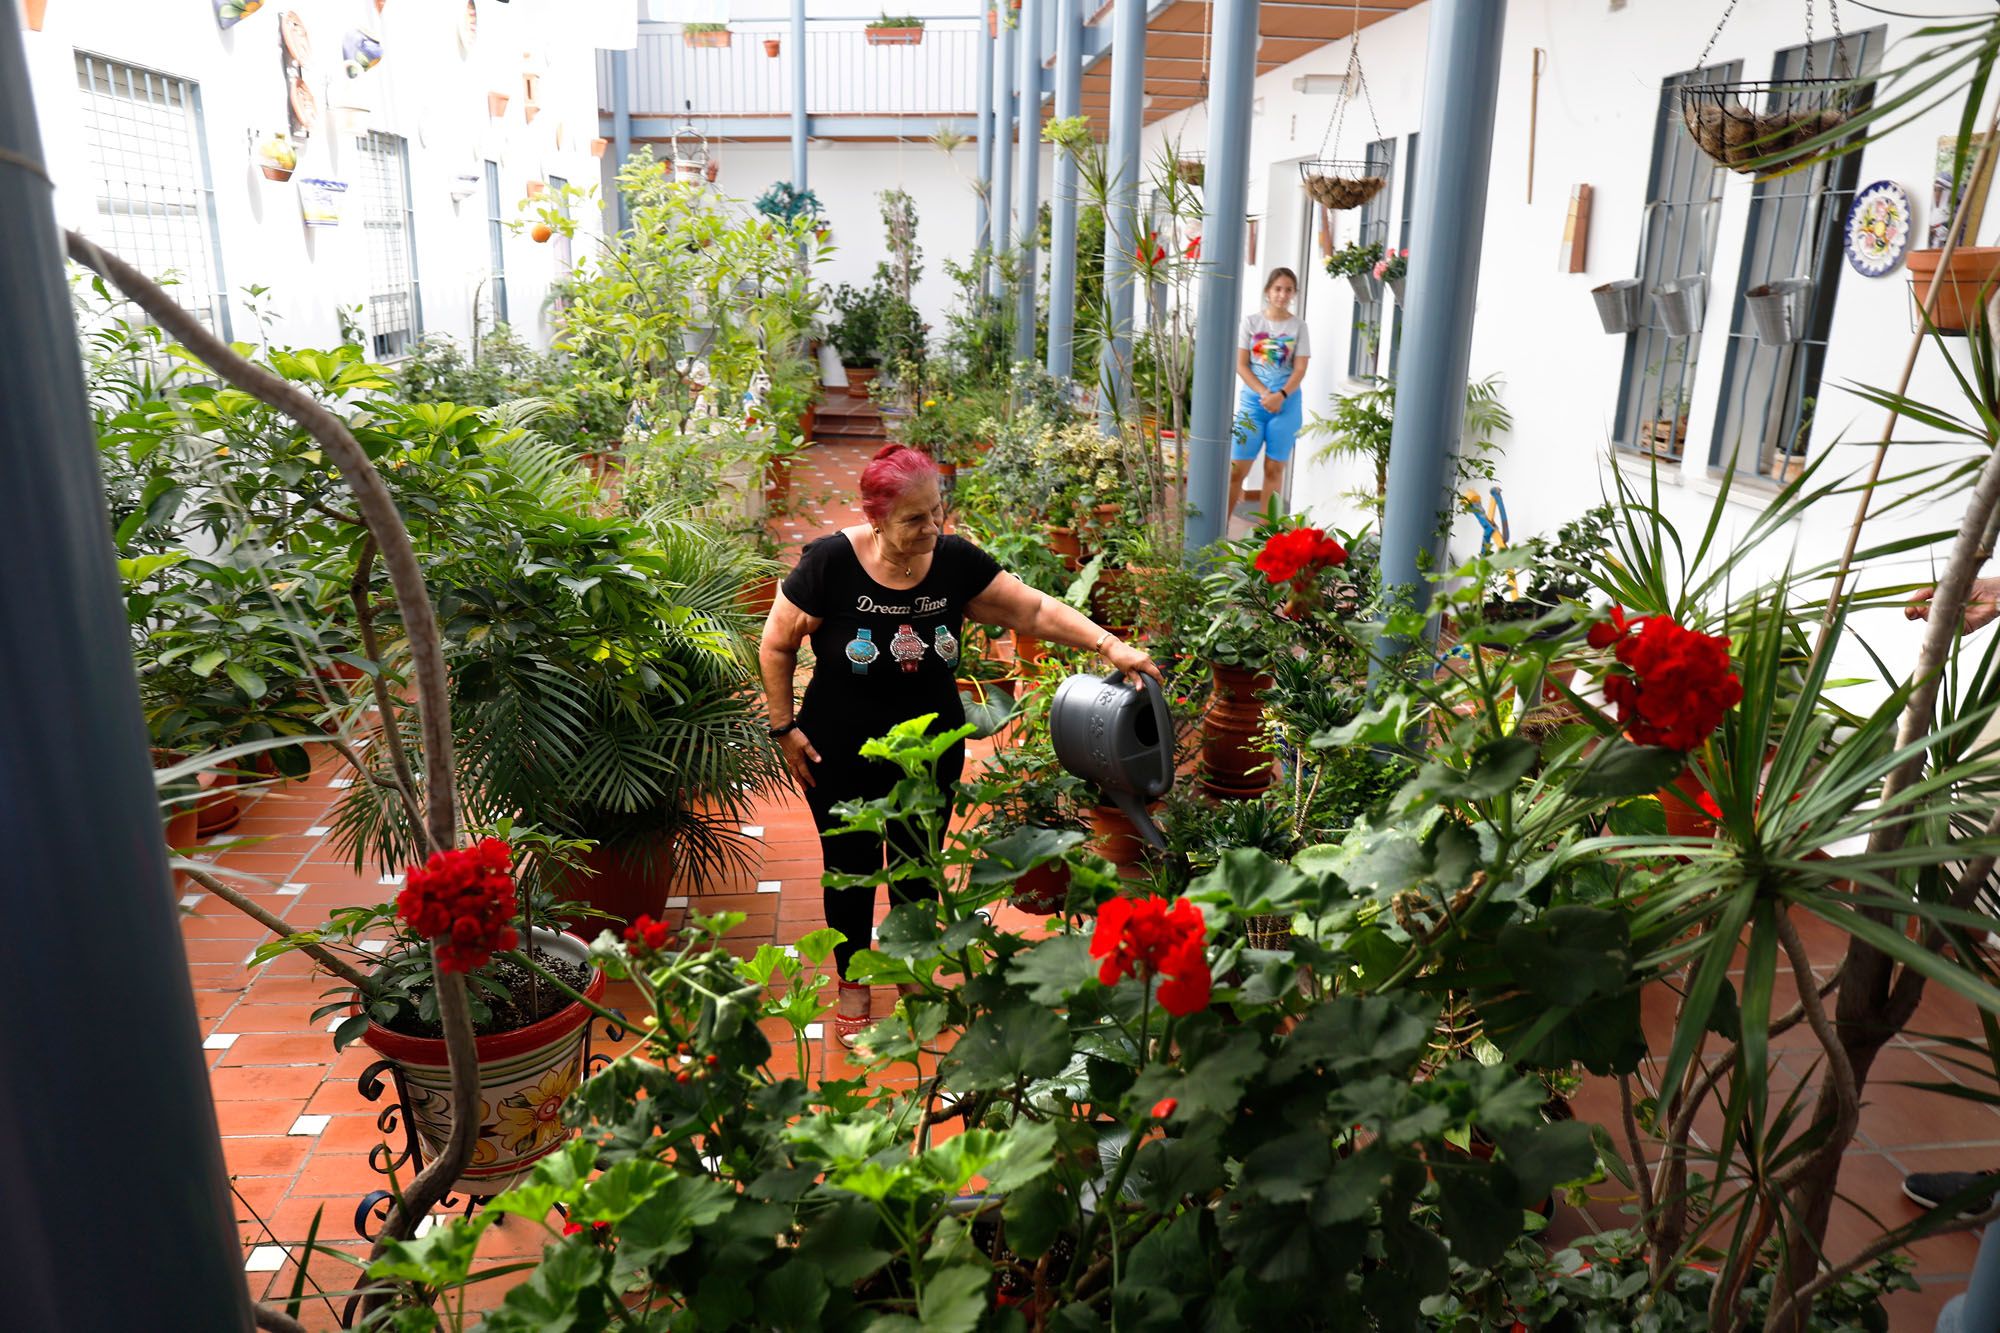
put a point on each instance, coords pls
(883, 655)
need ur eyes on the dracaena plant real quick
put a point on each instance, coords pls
(1154, 1124)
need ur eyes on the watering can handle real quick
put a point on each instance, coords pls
(1162, 720)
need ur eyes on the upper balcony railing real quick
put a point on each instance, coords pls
(845, 74)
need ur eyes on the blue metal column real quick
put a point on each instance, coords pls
(1028, 159)
(116, 1209)
(1003, 147)
(621, 123)
(983, 238)
(1062, 204)
(1219, 304)
(1461, 79)
(1121, 228)
(799, 95)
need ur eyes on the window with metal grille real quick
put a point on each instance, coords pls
(155, 201)
(1403, 243)
(395, 304)
(496, 234)
(1677, 239)
(1794, 240)
(1365, 338)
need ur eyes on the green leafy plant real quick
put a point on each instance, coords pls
(1354, 257)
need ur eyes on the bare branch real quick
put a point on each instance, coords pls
(325, 957)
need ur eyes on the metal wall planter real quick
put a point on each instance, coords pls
(1778, 310)
(1620, 304)
(1679, 305)
(1365, 287)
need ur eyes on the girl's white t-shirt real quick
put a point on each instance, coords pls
(1273, 345)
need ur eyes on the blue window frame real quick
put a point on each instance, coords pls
(1764, 416)
(1365, 337)
(496, 231)
(1677, 238)
(1403, 241)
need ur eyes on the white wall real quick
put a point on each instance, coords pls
(847, 177)
(425, 90)
(1536, 326)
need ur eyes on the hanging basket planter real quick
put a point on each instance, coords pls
(1395, 286)
(1620, 304)
(1679, 305)
(1367, 287)
(1778, 310)
(1719, 118)
(1340, 185)
(1191, 168)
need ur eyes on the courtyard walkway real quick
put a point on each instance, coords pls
(297, 1132)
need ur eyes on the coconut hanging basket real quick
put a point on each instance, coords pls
(1721, 119)
(1192, 168)
(1341, 185)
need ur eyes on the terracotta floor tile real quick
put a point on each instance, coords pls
(280, 1048)
(267, 1083)
(265, 1155)
(335, 1173)
(352, 1133)
(1894, 1116)
(272, 1116)
(341, 1097)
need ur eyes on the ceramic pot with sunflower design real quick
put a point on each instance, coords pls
(524, 1077)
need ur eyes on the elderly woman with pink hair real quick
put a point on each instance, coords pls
(883, 603)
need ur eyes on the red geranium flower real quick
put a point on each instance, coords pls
(1289, 555)
(1193, 250)
(1674, 684)
(1165, 1107)
(465, 897)
(1147, 937)
(648, 934)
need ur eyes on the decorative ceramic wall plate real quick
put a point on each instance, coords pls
(229, 13)
(298, 42)
(468, 27)
(1878, 229)
(362, 50)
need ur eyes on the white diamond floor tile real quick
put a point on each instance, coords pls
(318, 831)
(220, 1041)
(265, 1259)
(390, 879)
(340, 782)
(753, 830)
(815, 1030)
(769, 885)
(310, 1124)
(291, 890)
(678, 901)
(190, 899)
(373, 946)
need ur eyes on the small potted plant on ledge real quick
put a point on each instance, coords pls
(705, 34)
(1391, 269)
(888, 31)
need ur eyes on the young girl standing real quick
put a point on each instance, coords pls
(1273, 347)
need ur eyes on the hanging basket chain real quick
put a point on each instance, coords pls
(1715, 36)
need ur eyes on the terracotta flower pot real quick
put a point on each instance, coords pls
(1066, 543)
(598, 147)
(717, 40)
(895, 36)
(778, 479)
(496, 105)
(1113, 837)
(183, 832)
(1042, 891)
(524, 1076)
(1683, 819)
(1963, 288)
(624, 882)
(772, 45)
(1232, 767)
(220, 806)
(1029, 652)
(35, 11)
(858, 378)
(759, 597)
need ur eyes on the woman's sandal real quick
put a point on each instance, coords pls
(848, 1028)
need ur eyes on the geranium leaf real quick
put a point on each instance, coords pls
(1019, 1043)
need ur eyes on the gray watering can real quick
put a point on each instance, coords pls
(1120, 738)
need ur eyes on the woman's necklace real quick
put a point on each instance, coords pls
(882, 556)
